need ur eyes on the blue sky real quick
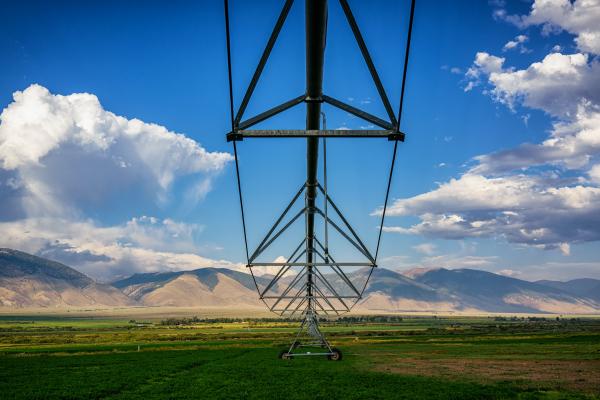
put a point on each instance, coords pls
(114, 196)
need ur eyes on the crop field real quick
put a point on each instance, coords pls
(59, 357)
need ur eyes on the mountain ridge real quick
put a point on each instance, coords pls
(30, 281)
(586, 287)
(499, 293)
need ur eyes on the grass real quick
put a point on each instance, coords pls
(418, 358)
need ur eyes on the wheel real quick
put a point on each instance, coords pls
(296, 344)
(336, 355)
(284, 355)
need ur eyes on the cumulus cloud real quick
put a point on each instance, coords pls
(565, 248)
(483, 65)
(544, 195)
(579, 18)
(571, 145)
(556, 85)
(144, 244)
(519, 208)
(518, 43)
(65, 161)
(66, 153)
(594, 173)
(567, 87)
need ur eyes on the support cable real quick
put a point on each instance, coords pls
(389, 184)
(237, 167)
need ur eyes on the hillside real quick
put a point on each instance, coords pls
(389, 290)
(206, 287)
(585, 287)
(497, 293)
(30, 281)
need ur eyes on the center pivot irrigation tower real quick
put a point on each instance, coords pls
(310, 282)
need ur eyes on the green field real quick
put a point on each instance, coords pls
(415, 358)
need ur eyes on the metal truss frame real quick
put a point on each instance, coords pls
(324, 291)
(312, 292)
(391, 128)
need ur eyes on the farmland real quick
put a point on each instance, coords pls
(423, 357)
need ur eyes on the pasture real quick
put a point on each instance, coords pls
(59, 357)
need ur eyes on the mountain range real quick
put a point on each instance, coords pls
(30, 281)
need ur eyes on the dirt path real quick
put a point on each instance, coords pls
(581, 375)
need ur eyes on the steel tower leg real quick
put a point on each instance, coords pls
(316, 33)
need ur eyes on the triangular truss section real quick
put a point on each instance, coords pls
(389, 128)
(332, 289)
(310, 337)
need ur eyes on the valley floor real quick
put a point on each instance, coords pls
(55, 357)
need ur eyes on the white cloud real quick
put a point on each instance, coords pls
(470, 85)
(274, 270)
(579, 18)
(565, 249)
(69, 153)
(539, 194)
(517, 44)
(144, 244)
(64, 159)
(534, 194)
(571, 145)
(453, 261)
(509, 272)
(425, 248)
(519, 208)
(556, 85)
(544, 195)
(483, 65)
(594, 173)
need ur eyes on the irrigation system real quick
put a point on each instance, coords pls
(311, 283)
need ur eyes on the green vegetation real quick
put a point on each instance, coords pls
(399, 358)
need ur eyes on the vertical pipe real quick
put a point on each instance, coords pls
(316, 31)
(326, 249)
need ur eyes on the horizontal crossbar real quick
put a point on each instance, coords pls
(313, 264)
(300, 133)
(315, 297)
